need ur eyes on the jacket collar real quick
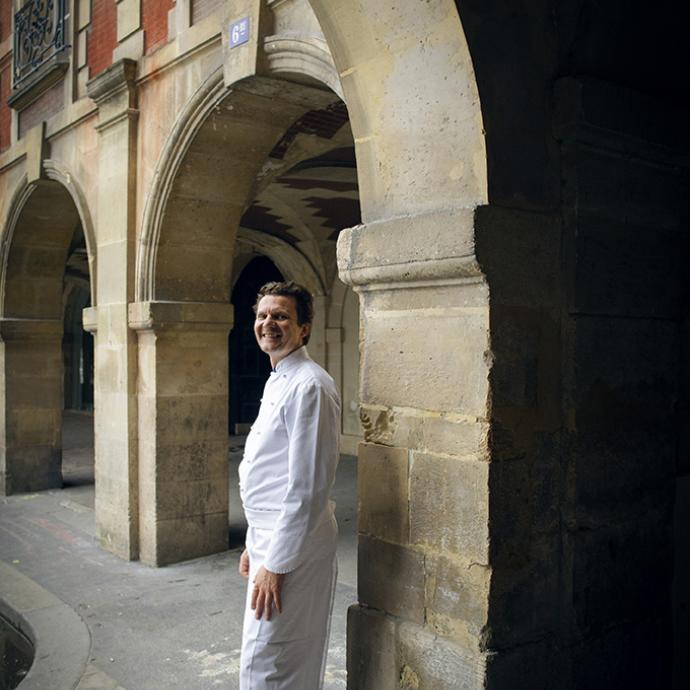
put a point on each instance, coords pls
(294, 359)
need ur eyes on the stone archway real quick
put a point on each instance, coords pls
(425, 361)
(184, 277)
(43, 218)
(423, 476)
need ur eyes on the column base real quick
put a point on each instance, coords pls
(31, 469)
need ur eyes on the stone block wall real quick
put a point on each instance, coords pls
(585, 310)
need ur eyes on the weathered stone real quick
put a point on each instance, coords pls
(456, 596)
(382, 478)
(438, 663)
(449, 505)
(176, 539)
(183, 399)
(390, 578)
(371, 650)
(452, 343)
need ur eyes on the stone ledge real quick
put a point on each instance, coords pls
(155, 316)
(35, 85)
(429, 247)
(29, 329)
(60, 637)
(115, 79)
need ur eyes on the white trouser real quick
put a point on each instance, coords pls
(289, 651)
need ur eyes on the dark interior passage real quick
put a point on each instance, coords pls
(249, 367)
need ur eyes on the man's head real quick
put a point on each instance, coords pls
(284, 312)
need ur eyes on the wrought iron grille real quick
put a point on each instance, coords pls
(39, 34)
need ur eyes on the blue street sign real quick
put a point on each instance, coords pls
(239, 32)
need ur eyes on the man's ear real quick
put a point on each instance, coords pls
(306, 330)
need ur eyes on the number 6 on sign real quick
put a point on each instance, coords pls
(239, 32)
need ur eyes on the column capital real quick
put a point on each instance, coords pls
(30, 329)
(196, 316)
(435, 247)
(89, 319)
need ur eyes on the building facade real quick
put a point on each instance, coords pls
(489, 204)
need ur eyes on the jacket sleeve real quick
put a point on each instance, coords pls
(312, 416)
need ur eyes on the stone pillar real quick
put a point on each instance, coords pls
(423, 569)
(115, 422)
(31, 406)
(183, 418)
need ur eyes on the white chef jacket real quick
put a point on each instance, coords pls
(290, 459)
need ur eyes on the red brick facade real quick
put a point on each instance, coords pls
(154, 20)
(5, 19)
(103, 36)
(5, 114)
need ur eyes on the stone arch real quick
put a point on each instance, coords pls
(291, 57)
(290, 262)
(55, 171)
(185, 129)
(409, 83)
(41, 223)
(419, 149)
(190, 175)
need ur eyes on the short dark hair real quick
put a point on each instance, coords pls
(303, 299)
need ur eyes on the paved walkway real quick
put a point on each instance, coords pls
(136, 628)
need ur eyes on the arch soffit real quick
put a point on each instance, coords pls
(290, 55)
(18, 202)
(20, 197)
(289, 261)
(58, 173)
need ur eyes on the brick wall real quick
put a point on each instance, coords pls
(154, 17)
(5, 19)
(5, 115)
(103, 37)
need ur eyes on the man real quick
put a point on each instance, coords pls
(286, 475)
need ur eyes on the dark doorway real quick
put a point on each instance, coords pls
(249, 367)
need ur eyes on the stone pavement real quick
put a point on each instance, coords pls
(103, 623)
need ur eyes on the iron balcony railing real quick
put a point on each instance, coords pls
(39, 35)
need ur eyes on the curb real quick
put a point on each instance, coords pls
(60, 637)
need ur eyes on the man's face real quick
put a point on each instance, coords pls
(276, 328)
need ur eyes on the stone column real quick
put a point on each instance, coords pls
(115, 423)
(31, 405)
(183, 422)
(423, 569)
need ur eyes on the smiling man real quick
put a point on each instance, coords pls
(286, 476)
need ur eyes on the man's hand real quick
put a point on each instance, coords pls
(266, 594)
(244, 564)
